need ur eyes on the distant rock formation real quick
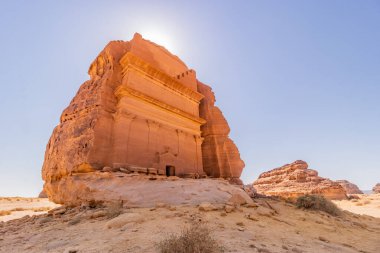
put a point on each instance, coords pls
(42, 195)
(376, 188)
(349, 187)
(294, 180)
(142, 111)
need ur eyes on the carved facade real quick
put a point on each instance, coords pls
(157, 120)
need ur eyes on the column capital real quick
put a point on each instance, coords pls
(153, 124)
(198, 139)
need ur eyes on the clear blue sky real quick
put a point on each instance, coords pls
(295, 79)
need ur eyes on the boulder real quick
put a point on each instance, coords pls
(206, 207)
(294, 180)
(124, 219)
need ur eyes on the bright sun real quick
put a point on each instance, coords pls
(160, 39)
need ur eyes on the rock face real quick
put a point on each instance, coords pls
(137, 190)
(142, 111)
(221, 158)
(376, 188)
(294, 180)
(349, 187)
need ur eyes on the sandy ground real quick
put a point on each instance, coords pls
(366, 204)
(18, 207)
(268, 226)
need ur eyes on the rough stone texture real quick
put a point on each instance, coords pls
(221, 157)
(349, 187)
(295, 179)
(376, 188)
(141, 191)
(141, 111)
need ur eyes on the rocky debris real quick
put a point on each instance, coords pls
(140, 112)
(229, 208)
(206, 207)
(239, 199)
(349, 187)
(250, 190)
(294, 180)
(98, 214)
(262, 211)
(376, 188)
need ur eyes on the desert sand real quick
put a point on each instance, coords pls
(368, 204)
(17, 207)
(267, 225)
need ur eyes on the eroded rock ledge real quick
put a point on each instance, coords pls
(295, 179)
(349, 187)
(141, 190)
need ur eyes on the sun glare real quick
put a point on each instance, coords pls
(160, 39)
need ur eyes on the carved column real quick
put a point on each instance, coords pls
(121, 132)
(152, 139)
(180, 139)
(198, 153)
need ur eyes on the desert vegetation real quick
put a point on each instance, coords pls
(318, 203)
(195, 239)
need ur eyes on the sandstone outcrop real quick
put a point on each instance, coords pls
(349, 187)
(376, 188)
(42, 194)
(294, 180)
(142, 111)
(143, 191)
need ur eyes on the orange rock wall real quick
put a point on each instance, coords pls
(221, 158)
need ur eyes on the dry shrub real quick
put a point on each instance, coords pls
(319, 203)
(195, 239)
(18, 209)
(5, 212)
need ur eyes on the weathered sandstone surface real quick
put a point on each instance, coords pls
(376, 188)
(349, 187)
(142, 111)
(295, 179)
(143, 191)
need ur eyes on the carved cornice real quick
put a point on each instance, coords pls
(129, 60)
(122, 91)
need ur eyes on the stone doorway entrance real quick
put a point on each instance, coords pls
(170, 170)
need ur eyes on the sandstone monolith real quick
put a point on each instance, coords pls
(294, 180)
(142, 111)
